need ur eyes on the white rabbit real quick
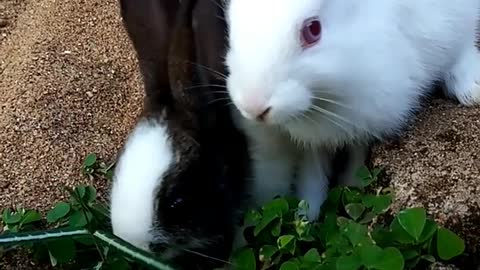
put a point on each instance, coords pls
(309, 76)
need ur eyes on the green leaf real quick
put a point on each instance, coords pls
(12, 218)
(31, 216)
(277, 206)
(351, 196)
(390, 259)
(312, 256)
(350, 262)
(60, 210)
(363, 173)
(367, 218)
(338, 242)
(378, 203)
(428, 258)
(266, 252)
(289, 266)
(87, 240)
(382, 236)
(334, 197)
(62, 250)
(376, 172)
(342, 222)
(303, 206)
(5, 214)
(80, 190)
(303, 228)
(399, 234)
(252, 218)
(356, 233)
(277, 228)
(244, 259)
(266, 220)
(90, 160)
(373, 257)
(370, 255)
(79, 219)
(90, 194)
(449, 245)
(413, 221)
(410, 254)
(286, 243)
(355, 210)
(272, 210)
(118, 264)
(428, 231)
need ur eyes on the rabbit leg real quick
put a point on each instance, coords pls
(463, 81)
(358, 154)
(312, 185)
(272, 172)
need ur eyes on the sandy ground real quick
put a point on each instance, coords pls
(69, 86)
(436, 165)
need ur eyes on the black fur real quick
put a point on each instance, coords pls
(201, 194)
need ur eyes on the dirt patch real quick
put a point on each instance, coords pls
(69, 86)
(436, 165)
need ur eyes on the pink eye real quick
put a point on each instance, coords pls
(311, 31)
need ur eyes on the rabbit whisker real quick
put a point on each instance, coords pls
(331, 101)
(218, 99)
(219, 4)
(332, 114)
(213, 71)
(206, 85)
(326, 117)
(204, 255)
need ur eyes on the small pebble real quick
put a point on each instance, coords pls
(3, 23)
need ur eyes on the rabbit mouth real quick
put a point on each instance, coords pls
(182, 241)
(188, 250)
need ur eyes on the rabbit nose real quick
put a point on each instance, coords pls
(255, 109)
(256, 113)
(261, 117)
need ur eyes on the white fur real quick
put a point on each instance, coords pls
(374, 61)
(313, 183)
(138, 174)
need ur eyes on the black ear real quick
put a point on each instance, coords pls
(181, 56)
(149, 25)
(210, 32)
(210, 40)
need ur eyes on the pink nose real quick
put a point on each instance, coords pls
(255, 109)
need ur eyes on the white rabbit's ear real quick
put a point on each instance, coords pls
(146, 158)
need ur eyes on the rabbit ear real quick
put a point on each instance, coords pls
(210, 39)
(148, 24)
(181, 55)
(209, 28)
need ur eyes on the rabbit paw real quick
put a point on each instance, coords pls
(463, 81)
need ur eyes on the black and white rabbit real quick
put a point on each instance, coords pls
(310, 76)
(179, 182)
